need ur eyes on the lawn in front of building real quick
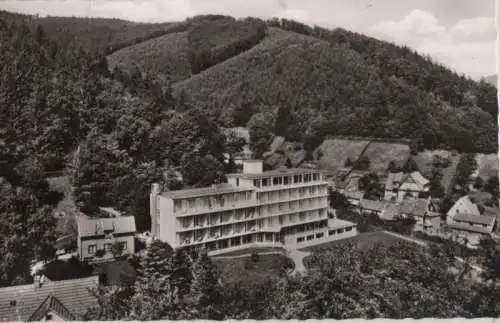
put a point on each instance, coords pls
(253, 269)
(364, 240)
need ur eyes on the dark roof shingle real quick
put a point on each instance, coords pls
(22, 301)
(91, 227)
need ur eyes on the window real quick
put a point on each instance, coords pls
(276, 181)
(107, 246)
(315, 176)
(319, 235)
(331, 232)
(177, 205)
(301, 239)
(348, 229)
(310, 237)
(307, 178)
(297, 179)
(265, 182)
(256, 183)
(124, 245)
(285, 180)
(237, 182)
(92, 249)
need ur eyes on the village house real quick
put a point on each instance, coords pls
(96, 237)
(46, 300)
(470, 221)
(423, 211)
(371, 207)
(401, 186)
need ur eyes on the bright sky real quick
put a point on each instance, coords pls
(458, 33)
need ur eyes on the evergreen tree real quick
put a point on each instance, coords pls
(205, 289)
(180, 272)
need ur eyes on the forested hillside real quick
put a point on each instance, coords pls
(310, 83)
(61, 109)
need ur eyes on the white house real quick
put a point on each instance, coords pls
(401, 186)
(96, 236)
(469, 220)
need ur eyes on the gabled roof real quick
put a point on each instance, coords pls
(92, 227)
(394, 180)
(372, 205)
(416, 207)
(354, 195)
(21, 302)
(390, 212)
(470, 228)
(464, 205)
(52, 304)
(391, 179)
(476, 219)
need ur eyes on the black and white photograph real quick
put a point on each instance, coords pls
(184, 160)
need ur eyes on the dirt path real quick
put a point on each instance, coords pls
(298, 259)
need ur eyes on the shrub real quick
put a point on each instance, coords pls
(254, 256)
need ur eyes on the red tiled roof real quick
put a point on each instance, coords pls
(22, 301)
(372, 205)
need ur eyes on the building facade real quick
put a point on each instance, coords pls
(96, 236)
(280, 208)
(470, 221)
(401, 186)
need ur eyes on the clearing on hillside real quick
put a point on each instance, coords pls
(166, 55)
(382, 153)
(335, 152)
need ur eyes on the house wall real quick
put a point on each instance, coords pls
(433, 229)
(54, 316)
(168, 221)
(84, 246)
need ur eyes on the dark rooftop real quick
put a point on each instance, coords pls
(20, 302)
(205, 191)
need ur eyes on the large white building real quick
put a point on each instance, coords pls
(281, 208)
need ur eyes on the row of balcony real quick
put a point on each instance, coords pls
(184, 224)
(232, 230)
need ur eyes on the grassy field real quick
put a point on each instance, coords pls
(382, 153)
(245, 269)
(337, 151)
(167, 55)
(487, 165)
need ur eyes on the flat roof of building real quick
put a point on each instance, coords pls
(205, 191)
(276, 172)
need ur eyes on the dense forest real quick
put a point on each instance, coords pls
(113, 134)
(382, 281)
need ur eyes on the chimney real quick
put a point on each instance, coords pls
(252, 167)
(38, 280)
